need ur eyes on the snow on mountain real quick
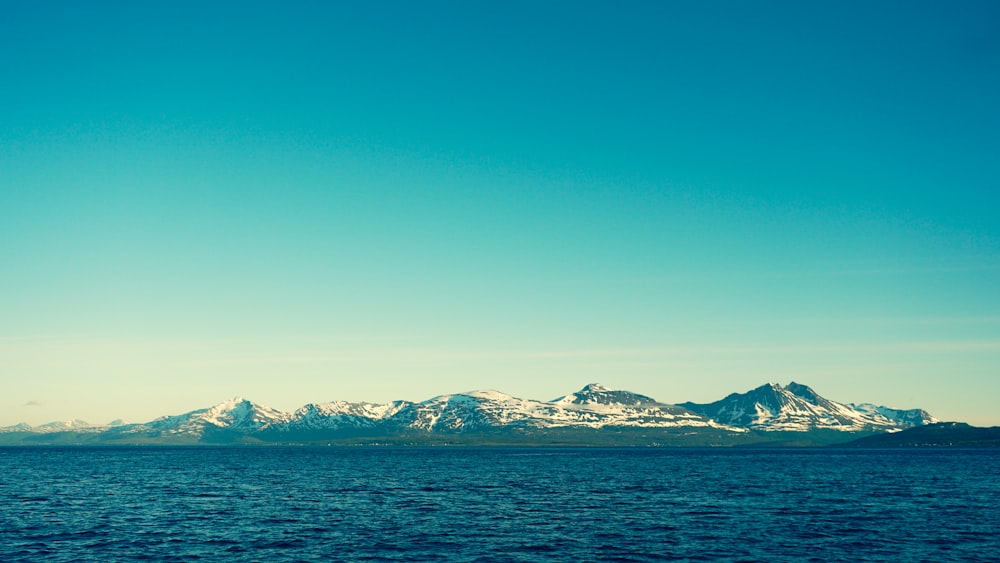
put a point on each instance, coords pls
(596, 394)
(75, 425)
(797, 408)
(475, 410)
(597, 406)
(236, 414)
(19, 427)
(340, 414)
(904, 417)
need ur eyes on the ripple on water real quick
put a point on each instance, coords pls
(483, 504)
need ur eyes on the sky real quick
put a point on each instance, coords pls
(300, 202)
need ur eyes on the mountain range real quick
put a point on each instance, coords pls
(594, 415)
(797, 408)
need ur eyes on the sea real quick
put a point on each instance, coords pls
(84, 504)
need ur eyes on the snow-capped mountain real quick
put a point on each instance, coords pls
(797, 408)
(75, 425)
(341, 415)
(236, 415)
(904, 417)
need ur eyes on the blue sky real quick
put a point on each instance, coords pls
(373, 201)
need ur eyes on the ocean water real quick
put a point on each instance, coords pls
(497, 504)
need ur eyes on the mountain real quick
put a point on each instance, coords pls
(907, 417)
(941, 434)
(75, 425)
(797, 408)
(594, 415)
(236, 415)
(341, 415)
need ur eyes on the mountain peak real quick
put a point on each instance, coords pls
(597, 394)
(73, 424)
(234, 413)
(798, 408)
(490, 395)
(237, 400)
(800, 390)
(769, 388)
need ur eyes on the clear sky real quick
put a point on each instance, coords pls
(311, 201)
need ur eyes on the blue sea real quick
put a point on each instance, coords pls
(497, 504)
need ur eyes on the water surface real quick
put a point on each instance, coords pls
(497, 504)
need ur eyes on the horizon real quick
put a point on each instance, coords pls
(317, 201)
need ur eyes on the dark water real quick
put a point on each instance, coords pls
(471, 504)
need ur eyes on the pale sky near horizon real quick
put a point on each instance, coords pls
(311, 201)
